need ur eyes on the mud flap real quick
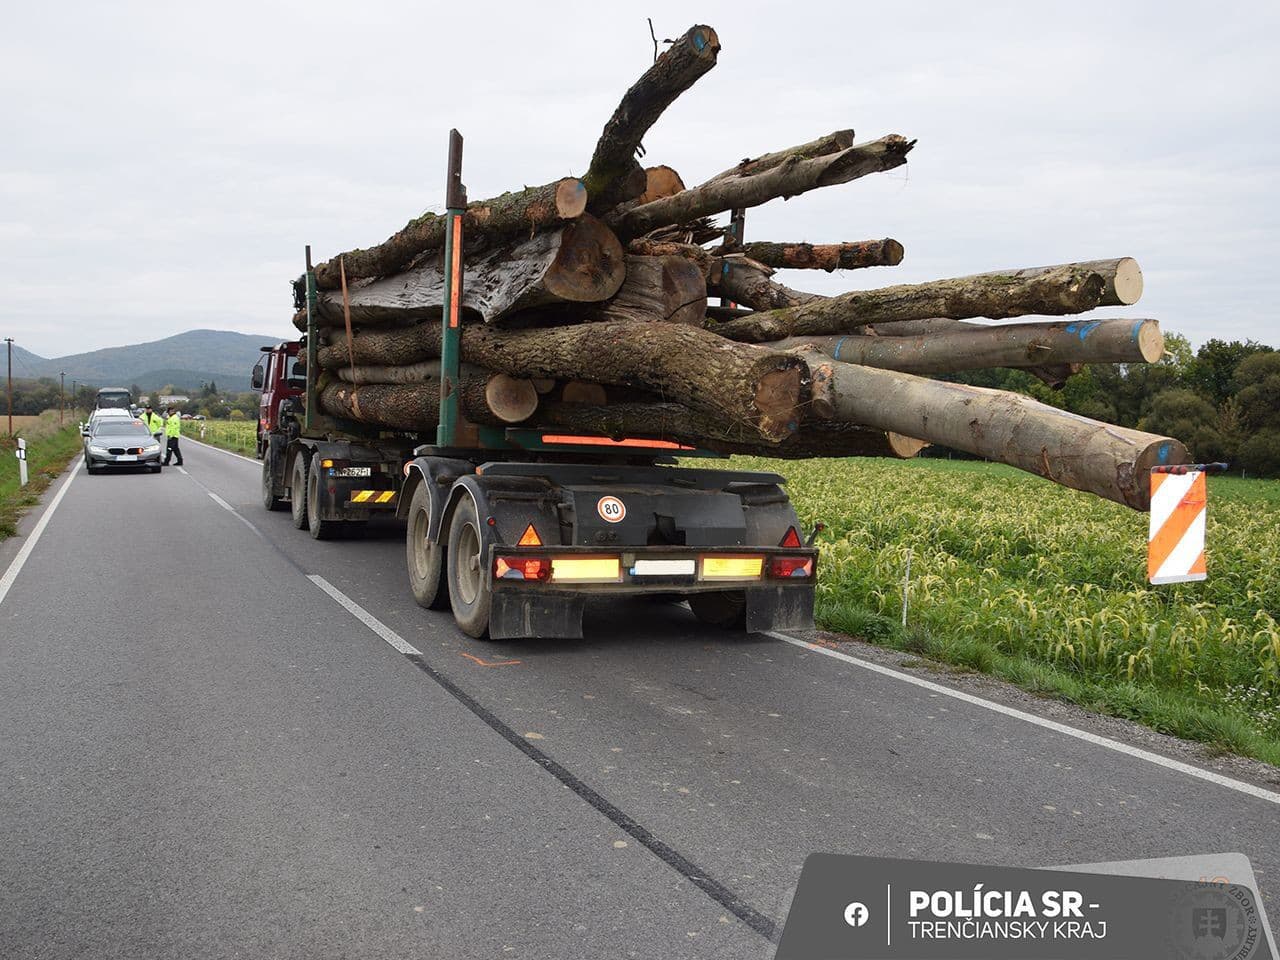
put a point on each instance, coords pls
(515, 614)
(779, 608)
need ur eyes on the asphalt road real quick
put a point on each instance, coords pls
(205, 754)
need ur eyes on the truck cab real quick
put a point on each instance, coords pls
(280, 375)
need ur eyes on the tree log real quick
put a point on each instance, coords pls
(485, 223)
(674, 423)
(759, 388)
(484, 397)
(1112, 462)
(826, 256)
(1122, 278)
(979, 347)
(784, 180)
(580, 391)
(1053, 292)
(749, 283)
(580, 263)
(671, 289)
(614, 176)
(823, 146)
(660, 181)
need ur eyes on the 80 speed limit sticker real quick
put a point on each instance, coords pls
(611, 509)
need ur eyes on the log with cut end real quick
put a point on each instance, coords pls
(670, 288)
(849, 255)
(746, 282)
(1122, 278)
(674, 423)
(760, 389)
(485, 223)
(1053, 291)
(1112, 462)
(979, 347)
(821, 147)
(580, 263)
(489, 398)
(614, 176)
(784, 180)
(660, 181)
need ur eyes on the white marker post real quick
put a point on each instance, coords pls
(1175, 536)
(21, 454)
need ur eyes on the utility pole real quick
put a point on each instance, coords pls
(62, 397)
(9, 343)
(73, 396)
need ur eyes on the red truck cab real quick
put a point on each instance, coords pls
(280, 375)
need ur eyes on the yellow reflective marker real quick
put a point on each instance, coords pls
(586, 568)
(732, 568)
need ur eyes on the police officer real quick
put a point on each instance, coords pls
(154, 423)
(172, 431)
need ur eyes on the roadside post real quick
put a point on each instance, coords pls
(21, 454)
(1175, 533)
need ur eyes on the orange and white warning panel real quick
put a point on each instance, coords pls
(1175, 536)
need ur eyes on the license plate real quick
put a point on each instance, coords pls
(351, 472)
(663, 568)
(127, 458)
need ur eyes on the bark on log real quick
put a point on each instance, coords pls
(581, 263)
(612, 177)
(756, 387)
(746, 282)
(979, 347)
(657, 289)
(660, 181)
(1122, 278)
(1053, 292)
(675, 423)
(826, 256)
(823, 146)
(1112, 462)
(485, 223)
(488, 398)
(784, 180)
(580, 391)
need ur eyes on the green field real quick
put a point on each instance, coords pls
(49, 448)
(239, 436)
(1016, 577)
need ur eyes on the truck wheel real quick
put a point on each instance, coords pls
(269, 499)
(469, 593)
(424, 560)
(298, 492)
(320, 529)
(726, 609)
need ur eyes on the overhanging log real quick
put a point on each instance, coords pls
(821, 147)
(849, 255)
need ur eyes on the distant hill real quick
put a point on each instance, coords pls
(185, 360)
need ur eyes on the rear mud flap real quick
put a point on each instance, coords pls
(515, 615)
(779, 608)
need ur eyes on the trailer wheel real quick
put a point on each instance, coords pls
(424, 560)
(727, 609)
(320, 529)
(269, 498)
(298, 492)
(469, 593)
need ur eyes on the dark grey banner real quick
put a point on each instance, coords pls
(871, 907)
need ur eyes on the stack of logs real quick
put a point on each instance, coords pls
(586, 311)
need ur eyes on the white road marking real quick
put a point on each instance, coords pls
(183, 472)
(365, 617)
(1199, 773)
(15, 567)
(220, 502)
(238, 456)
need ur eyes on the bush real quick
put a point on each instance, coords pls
(237, 415)
(1260, 454)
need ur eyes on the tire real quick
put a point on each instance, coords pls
(424, 561)
(298, 492)
(469, 593)
(726, 609)
(91, 469)
(269, 500)
(156, 469)
(320, 529)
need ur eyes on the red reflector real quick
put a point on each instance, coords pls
(791, 538)
(784, 568)
(530, 537)
(521, 568)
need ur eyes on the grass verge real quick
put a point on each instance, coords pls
(47, 456)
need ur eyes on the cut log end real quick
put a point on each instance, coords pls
(1135, 478)
(1149, 339)
(590, 265)
(511, 400)
(581, 391)
(777, 398)
(893, 252)
(571, 198)
(903, 446)
(1127, 282)
(660, 181)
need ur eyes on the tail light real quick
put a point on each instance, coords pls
(521, 568)
(786, 568)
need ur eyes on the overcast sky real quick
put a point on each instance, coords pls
(164, 163)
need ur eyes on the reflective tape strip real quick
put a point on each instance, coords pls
(386, 496)
(372, 496)
(360, 496)
(1175, 536)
